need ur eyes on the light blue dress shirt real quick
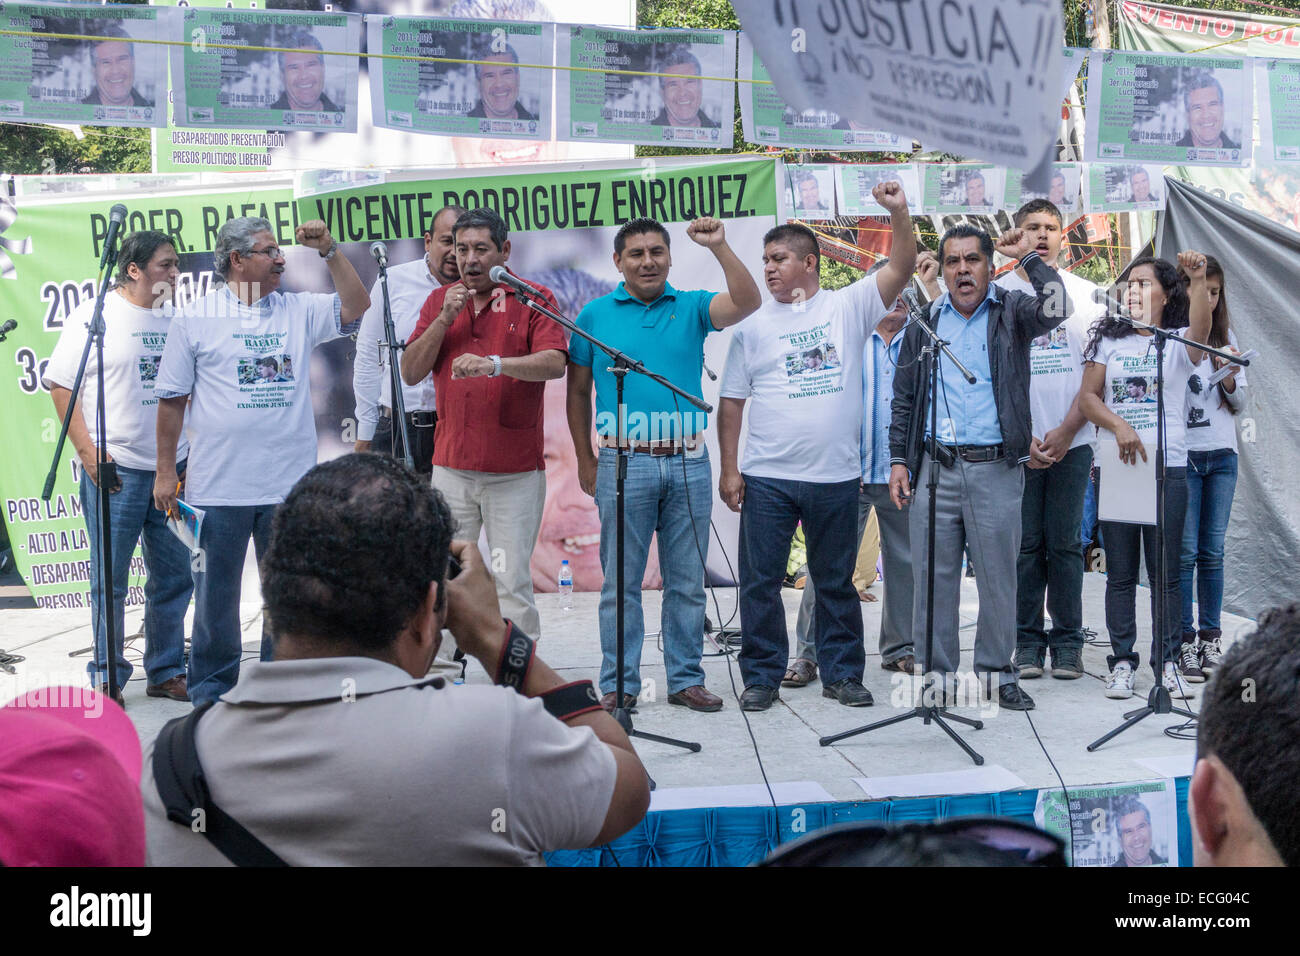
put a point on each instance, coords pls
(967, 414)
(878, 363)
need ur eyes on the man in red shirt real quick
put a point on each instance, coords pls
(490, 356)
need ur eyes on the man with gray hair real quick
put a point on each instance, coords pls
(498, 86)
(302, 71)
(1203, 100)
(253, 436)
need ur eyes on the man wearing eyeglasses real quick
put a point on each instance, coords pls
(251, 438)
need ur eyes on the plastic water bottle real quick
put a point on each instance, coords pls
(566, 585)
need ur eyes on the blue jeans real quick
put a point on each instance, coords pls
(1051, 555)
(828, 510)
(1090, 531)
(216, 645)
(1211, 481)
(656, 494)
(133, 517)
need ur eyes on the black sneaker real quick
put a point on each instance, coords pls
(1029, 660)
(1013, 698)
(849, 692)
(1067, 663)
(1211, 654)
(1189, 663)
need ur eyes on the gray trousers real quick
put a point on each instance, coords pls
(896, 615)
(978, 505)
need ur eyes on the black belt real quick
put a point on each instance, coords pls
(977, 453)
(416, 419)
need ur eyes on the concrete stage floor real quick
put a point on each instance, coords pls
(908, 759)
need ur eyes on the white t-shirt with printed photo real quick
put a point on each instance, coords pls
(133, 346)
(801, 367)
(1210, 422)
(1056, 359)
(1130, 390)
(246, 371)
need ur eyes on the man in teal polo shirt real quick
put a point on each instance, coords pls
(669, 486)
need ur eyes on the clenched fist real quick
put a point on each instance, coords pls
(890, 196)
(314, 234)
(1014, 244)
(707, 231)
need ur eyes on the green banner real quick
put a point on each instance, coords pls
(64, 240)
(572, 199)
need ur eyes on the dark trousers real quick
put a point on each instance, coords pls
(771, 509)
(1051, 555)
(1125, 545)
(421, 441)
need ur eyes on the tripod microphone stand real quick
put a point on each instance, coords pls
(931, 708)
(105, 469)
(400, 434)
(622, 365)
(1158, 699)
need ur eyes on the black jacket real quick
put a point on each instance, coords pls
(1015, 320)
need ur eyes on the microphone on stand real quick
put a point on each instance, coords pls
(713, 376)
(915, 309)
(380, 253)
(522, 289)
(116, 216)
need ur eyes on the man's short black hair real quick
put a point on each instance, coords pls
(1250, 720)
(353, 551)
(798, 237)
(1135, 380)
(637, 227)
(1127, 806)
(266, 361)
(452, 208)
(1045, 206)
(965, 230)
(137, 249)
(483, 218)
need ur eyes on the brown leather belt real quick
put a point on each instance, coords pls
(659, 449)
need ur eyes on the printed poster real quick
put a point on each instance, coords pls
(963, 188)
(495, 96)
(1063, 189)
(690, 102)
(108, 79)
(1118, 825)
(1168, 109)
(854, 184)
(812, 362)
(1128, 188)
(1277, 85)
(308, 85)
(810, 191)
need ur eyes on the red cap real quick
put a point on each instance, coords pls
(70, 765)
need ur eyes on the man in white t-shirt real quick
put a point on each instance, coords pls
(135, 329)
(802, 455)
(1056, 475)
(254, 435)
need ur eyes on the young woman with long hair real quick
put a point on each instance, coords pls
(1119, 394)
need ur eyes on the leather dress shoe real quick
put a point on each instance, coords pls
(121, 702)
(629, 701)
(697, 698)
(758, 697)
(849, 692)
(173, 689)
(1013, 698)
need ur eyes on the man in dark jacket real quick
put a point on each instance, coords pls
(983, 439)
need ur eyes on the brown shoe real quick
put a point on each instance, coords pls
(904, 665)
(629, 701)
(173, 689)
(121, 702)
(697, 698)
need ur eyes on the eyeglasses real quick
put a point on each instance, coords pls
(273, 252)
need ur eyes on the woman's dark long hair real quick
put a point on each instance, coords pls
(1175, 314)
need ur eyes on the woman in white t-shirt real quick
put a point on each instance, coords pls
(1211, 481)
(1119, 394)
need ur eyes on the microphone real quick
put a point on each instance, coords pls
(8, 327)
(713, 376)
(380, 252)
(116, 216)
(499, 274)
(915, 309)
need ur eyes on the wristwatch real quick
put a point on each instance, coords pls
(496, 366)
(333, 250)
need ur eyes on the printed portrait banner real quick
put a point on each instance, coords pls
(1277, 93)
(1128, 188)
(675, 108)
(767, 119)
(810, 191)
(114, 79)
(1063, 189)
(301, 88)
(1164, 108)
(982, 83)
(854, 183)
(496, 98)
(56, 272)
(963, 188)
(1121, 824)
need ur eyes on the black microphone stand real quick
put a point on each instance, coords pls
(931, 708)
(622, 365)
(105, 472)
(399, 430)
(1158, 700)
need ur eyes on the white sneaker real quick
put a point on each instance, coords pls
(1176, 684)
(1120, 685)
